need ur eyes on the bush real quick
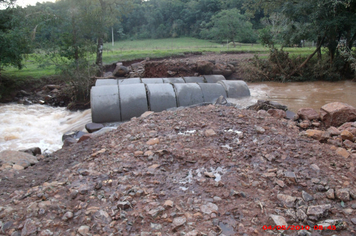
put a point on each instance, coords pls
(282, 68)
(79, 75)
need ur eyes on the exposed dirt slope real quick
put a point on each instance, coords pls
(186, 66)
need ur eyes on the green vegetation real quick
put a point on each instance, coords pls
(71, 34)
(168, 43)
(157, 48)
(152, 48)
(329, 23)
(232, 25)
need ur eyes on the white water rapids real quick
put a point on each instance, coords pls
(23, 127)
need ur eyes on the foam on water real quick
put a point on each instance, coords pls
(23, 127)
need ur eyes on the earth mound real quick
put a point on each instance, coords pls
(209, 170)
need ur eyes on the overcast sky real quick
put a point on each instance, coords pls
(30, 2)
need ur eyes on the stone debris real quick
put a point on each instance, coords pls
(260, 130)
(209, 208)
(279, 220)
(317, 134)
(318, 211)
(307, 197)
(347, 135)
(343, 194)
(171, 173)
(84, 230)
(308, 114)
(209, 133)
(287, 200)
(20, 160)
(277, 113)
(93, 127)
(330, 194)
(179, 221)
(337, 113)
(342, 152)
(153, 141)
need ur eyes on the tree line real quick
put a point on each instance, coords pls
(75, 28)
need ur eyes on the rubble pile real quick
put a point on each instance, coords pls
(206, 170)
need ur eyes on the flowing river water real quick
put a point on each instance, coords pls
(23, 127)
(305, 94)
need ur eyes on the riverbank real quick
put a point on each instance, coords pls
(55, 92)
(28, 90)
(207, 170)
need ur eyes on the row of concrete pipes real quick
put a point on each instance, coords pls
(115, 100)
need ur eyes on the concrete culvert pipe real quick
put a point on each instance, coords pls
(152, 80)
(133, 100)
(235, 88)
(188, 94)
(161, 97)
(212, 91)
(173, 80)
(129, 81)
(102, 82)
(213, 78)
(194, 79)
(105, 104)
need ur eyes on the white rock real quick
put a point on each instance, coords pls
(178, 221)
(279, 220)
(83, 230)
(209, 208)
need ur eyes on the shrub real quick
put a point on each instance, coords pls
(282, 68)
(79, 75)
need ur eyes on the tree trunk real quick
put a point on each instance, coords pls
(332, 45)
(99, 55)
(99, 50)
(74, 41)
(307, 60)
(351, 41)
(318, 46)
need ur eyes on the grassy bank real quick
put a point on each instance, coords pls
(152, 48)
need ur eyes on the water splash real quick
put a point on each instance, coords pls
(23, 127)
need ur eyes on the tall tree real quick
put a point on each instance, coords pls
(98, 16)
(231, 25)
(323, 21)
(14, 37)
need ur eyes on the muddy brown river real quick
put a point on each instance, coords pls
(305, 94)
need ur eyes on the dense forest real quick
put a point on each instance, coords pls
(76, 28)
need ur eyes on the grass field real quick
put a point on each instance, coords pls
(152, 48)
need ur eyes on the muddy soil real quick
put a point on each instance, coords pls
(51, 91)
(186, 66)
(210, 170)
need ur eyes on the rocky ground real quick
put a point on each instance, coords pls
(209, 170)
